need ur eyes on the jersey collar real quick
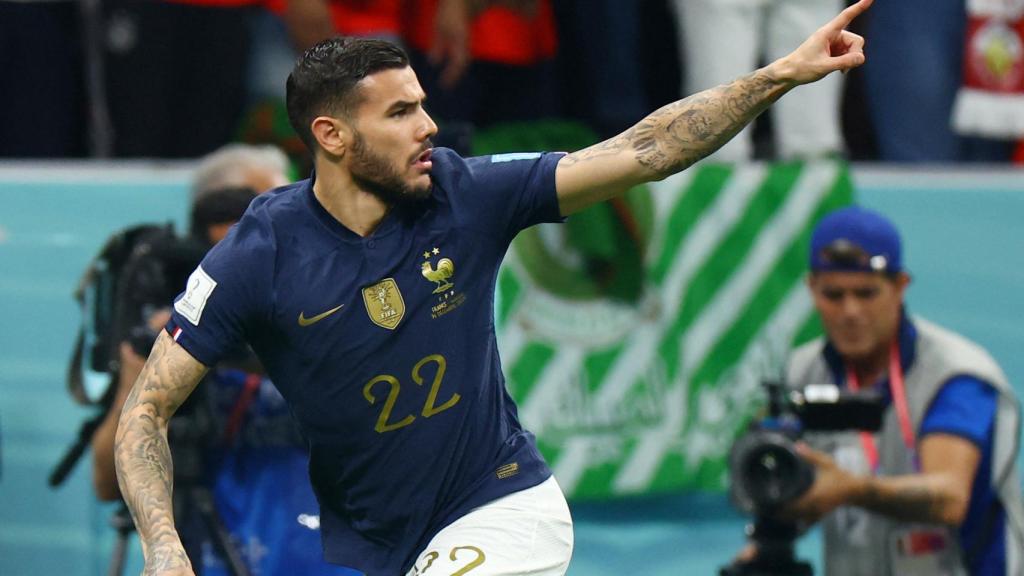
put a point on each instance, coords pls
(392, 221)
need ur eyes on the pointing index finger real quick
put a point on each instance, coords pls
(844, 18)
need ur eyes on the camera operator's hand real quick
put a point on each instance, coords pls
(746, 555)
(833, 487)
(104, 477)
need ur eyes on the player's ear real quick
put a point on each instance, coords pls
(332, 134)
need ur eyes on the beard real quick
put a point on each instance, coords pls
(373, 173)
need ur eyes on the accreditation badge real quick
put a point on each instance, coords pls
(924, 551)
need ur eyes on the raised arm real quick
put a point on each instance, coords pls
(143, 457)
(679, 134)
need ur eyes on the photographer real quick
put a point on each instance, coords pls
(151, 279)
(936, 491)
(236, 440)
(214, 210)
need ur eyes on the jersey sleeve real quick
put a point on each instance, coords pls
(965, 407)
(226, 295)
(506, 193)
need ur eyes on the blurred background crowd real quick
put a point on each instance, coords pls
(180, 78)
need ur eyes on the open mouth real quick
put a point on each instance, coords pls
(423, 160)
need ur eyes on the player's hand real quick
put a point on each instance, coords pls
(829, 49)
(833, 487)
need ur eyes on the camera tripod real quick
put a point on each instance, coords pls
(193, 498)
(202, 503)
(775, 554)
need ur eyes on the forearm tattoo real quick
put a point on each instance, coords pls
(142, 455)
(679, 134)
(912, 503)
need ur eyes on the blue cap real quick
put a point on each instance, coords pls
(854, 239)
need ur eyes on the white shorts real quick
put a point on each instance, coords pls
(527, 533)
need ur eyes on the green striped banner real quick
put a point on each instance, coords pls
(635, 337)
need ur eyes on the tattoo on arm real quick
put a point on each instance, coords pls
(905, 498)
(679, 134)
(142, 455)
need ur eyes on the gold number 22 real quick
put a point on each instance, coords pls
(431, 556)
(430, 407)
(476, 562)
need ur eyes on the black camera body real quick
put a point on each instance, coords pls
(765, 468)
(767, 472)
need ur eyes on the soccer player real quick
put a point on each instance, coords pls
(367, 292)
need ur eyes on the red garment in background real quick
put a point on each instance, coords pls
(361, 17)
(994, 65)
(352, 17)
(991, 102)
(497, 34)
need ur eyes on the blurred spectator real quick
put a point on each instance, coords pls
(858, 128)
(914, 69)
(259, 168)
(464, 50)
(461, 50)
(602, 53)
(175, 73)
(281, 29)
(284, 28)
(991, 101)
(723, 39)
(42, 96)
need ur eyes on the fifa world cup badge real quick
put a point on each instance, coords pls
(384, 303)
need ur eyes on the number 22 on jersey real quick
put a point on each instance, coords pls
(430, 407)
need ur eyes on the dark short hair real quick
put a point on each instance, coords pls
(219, 206)
(324, 78)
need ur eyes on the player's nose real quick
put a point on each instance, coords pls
(429, 128)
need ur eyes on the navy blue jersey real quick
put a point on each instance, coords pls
(384, 347)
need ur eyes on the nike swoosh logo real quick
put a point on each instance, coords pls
(303, 321)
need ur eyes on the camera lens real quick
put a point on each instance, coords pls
(767, 472)
(770, 471)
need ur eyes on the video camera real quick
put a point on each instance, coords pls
(139, 269)
(767, 472)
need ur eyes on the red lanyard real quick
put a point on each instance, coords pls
(245, 399)
(899, 399)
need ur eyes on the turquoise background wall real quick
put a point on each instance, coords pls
(963, 241)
